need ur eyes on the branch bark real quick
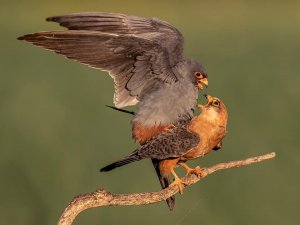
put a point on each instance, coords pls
(103, 197)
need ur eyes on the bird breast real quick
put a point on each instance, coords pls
(210, 135)
(167, 104)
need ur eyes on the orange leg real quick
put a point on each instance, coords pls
(189, 170)
(166, 167)
(180, 183)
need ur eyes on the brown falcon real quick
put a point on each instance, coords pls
(183, 142)
(144, 56)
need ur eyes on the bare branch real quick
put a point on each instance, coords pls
(102, 197)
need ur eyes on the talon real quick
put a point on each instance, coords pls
(189, 170)
(177, 181)
(197, 171)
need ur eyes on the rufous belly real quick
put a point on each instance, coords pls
(143, 133)
(210, 136)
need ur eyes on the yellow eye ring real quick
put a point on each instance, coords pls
(216, 103)
(199, 75)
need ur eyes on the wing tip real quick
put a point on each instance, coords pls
(28, 37)
(25, 37)
(21, 38)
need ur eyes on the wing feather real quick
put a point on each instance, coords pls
(170, 144)
(131, 61)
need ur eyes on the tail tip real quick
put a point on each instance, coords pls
(171, 202)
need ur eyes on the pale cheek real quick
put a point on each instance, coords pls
(213, 116)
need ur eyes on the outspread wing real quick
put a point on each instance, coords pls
(152, 29)
(133, 50)
(171, 144)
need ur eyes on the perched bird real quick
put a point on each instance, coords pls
(144, 56)
(183, 142)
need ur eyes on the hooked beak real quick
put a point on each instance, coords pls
(202, 81)
(209, 100)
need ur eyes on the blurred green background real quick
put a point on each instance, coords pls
(56, 132)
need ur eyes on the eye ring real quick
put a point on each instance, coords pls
(198, 75)
(216, 103)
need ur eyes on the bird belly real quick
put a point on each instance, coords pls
(143, 133)
(202, 149)
(210, 136)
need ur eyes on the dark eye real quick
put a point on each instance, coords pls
(198, 75)
(216, 103)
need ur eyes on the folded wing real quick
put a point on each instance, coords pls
(170, 144)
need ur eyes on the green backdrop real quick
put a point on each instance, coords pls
(56, 132)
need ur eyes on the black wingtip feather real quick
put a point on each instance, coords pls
(27, 37)
(51, 19)
(121, 110)
(122, 162)
(21, 38)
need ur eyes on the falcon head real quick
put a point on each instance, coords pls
(196, 73)
(214, 110)
(201, 79)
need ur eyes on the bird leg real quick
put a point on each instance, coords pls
(189, 170)
(180, 183)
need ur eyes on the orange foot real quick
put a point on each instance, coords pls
(180, 184)
(177, 181)
(189, 170)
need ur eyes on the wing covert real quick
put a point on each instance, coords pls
(170, 144)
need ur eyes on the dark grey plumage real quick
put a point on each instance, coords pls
(132, 49)
(152, 29)
(144, 56)
(169, 144)
(130, 60)
(120, 110)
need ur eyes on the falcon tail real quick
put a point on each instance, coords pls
(127, 160)
(164, 182)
